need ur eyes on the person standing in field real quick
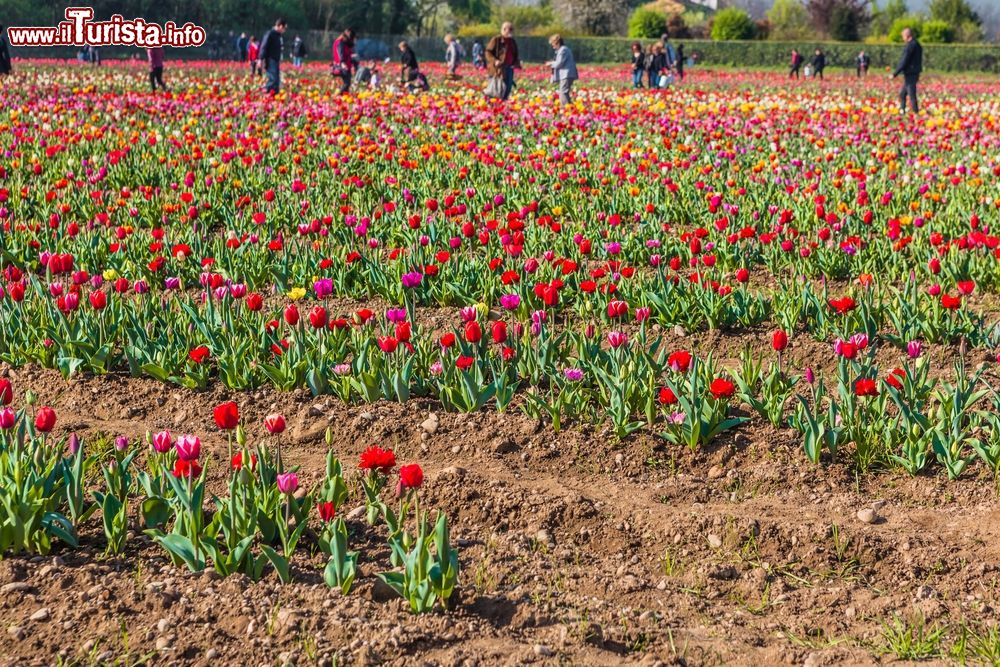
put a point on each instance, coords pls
(5, 64)
(910, 66)
(797, 59)
(298, 51)
(503, 58)
(680, 61)
(241, 47)
(253, 50)
(269, 55)
(155, 57)
(819, 64)
(452, 56)
(564, 71)
(343, 59)
(478, 55)
(864, 61)
(638, 64)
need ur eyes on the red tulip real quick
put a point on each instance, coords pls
(722, 388)
(6, 392)
(387, 344)
(317, 317)
(779, 341)
(966, 287)
(227, 415)
(45, 420)
(950, 302)
(680, 361)
(291, 315)
(447, 340)
(184, 468)
(403, 332)
(376, 459)
(410, 477)
(255, 301)
(865, 387)
(463, 363)
(237, 462)
(199, 354)
(617, 308)
(499, 332)
(843, 305)
(667, 396)
(742, 275)
(326, 511)
(98, 300)
(274, 424)
(473, 332)
(896, 378)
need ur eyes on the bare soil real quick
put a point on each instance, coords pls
(575, 549)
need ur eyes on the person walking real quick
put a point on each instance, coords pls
(253, 50)
(298, 51)
(241, 45)
(818, 64)
(452, 56)
(478, 53)
(910, 66)
(680, 61)
(269, 55)
(638, 64)
(408, 62)
(155, 57)
(863, 62)
(796, 64)
(343, 59)
(656, 64)
(5, 63)
(564, 71)
(503, 58)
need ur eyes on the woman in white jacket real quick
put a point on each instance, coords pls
(563, 68)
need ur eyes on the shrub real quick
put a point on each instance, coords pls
(914, 23)
(937, 32)
(647, 23)
(732, 24)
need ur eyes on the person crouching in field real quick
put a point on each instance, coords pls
(563, 68)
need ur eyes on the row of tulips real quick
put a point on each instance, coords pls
(45, 496)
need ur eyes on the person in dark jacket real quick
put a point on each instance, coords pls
(502, 58)
(864, 61)
(910, 66)
(819, 64)
(242, 44)
(269, 55)
(638, 64)
(797, 59)
(155, 56)
(656, 64)
(408, 61)
(5, 66)
(680, 62)
(298, 51)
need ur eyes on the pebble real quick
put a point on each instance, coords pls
(545, 537)
(867, 515)
(543, 650)
(812, 660)
(714, 541)
(16, 631)
(430, 425)
(211, 654)
(367, 416)
(162, 625)
(162, 644)
(355, 513)
(41, 615)
(715, 472)
(16, 587)
(318, 409)
(453, 471)
(680, 331)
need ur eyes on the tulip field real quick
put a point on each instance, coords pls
(703, 376)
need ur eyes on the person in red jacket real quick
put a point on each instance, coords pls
(253, 49)
(155, 56)
(343, 59)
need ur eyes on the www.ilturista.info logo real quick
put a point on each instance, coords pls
(79, 30)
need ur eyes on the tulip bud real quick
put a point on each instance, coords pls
(241, 436)
(73, 444)
(29, 398)
(810, 376)
(121, 443)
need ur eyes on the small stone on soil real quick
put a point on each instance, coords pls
(714, 541)
(867, 515)
(543, 650)
(41, 615)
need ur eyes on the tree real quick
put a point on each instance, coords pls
(958, 14)
(732, 24)
(847, 17)
(647, 23)
(677, 27)
(882, 19)
(593, 17)
(911, 21)
(789, 20)
(938, 32)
